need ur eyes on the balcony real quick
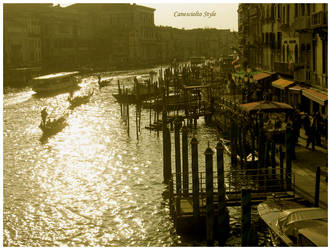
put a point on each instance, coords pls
(301, 23)
(283, 68)
(319, 19)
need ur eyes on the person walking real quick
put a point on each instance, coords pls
(310, 130)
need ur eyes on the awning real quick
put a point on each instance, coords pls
(261, 76)
(282, 83)
(265, 106)
(315, 96)
(235, 60)
(296, 89)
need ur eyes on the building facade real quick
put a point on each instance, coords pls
(102, 37)
(290, 40)
(22, 52)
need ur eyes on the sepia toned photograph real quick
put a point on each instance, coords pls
(165, 124)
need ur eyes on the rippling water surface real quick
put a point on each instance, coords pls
(89, 185)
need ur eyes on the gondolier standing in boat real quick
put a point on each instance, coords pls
(44, 116)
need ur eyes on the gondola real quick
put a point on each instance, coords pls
(52, 127)
(79, 100)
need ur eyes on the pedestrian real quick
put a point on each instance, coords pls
(278, 123)
(310, 136)
(318, 125)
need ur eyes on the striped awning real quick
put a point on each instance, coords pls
(282, 83)
(315, 96)
(261, 76)
(297, 89)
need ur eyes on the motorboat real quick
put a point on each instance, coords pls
(55, 82)
(291, 223)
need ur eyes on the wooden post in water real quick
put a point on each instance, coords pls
(260, 148)
(178, 164)
(195, 183)
(273, 159)
(171, 199)
(288, 156)
(223, 217)
(166, 149)
(253, 145)
(185, 160)
(317, 187)
(128, 117)
(240, 130)
(233, 144)
(281, 167)
(245, 216)
(209, 201)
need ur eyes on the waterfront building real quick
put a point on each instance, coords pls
(102, 37)
(123, 34)
(22, 41)
(290, 40)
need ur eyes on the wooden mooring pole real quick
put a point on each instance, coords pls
(195, 184)
(245, 216)
(223, 226)
(209, 201)
(317, 186)
(288, 155)
(178, 165)
(185, 161)
(281, 167)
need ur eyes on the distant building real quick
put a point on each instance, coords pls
(123, 34)
(101, 37)
(22, 41)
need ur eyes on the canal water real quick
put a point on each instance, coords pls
(91, 184)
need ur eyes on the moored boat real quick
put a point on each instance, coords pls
(55, 82)
(293, 224)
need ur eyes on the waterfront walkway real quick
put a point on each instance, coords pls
(305, 167)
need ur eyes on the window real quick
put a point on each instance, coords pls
(279, 40)
(302, 9)
(278, 7)
(296, 54)
(288, 14)
(308, 9)
(314, 55)
(296, 10)
(288, 53)
(324, 55)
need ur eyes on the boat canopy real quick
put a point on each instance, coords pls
(56, 76)
(289, 218)
(318, 235)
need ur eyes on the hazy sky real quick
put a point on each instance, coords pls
(225, 17)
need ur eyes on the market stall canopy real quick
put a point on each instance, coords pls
(297, 89)
(282, 83)
(315, 96)
(261, 76)
(265, 106)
